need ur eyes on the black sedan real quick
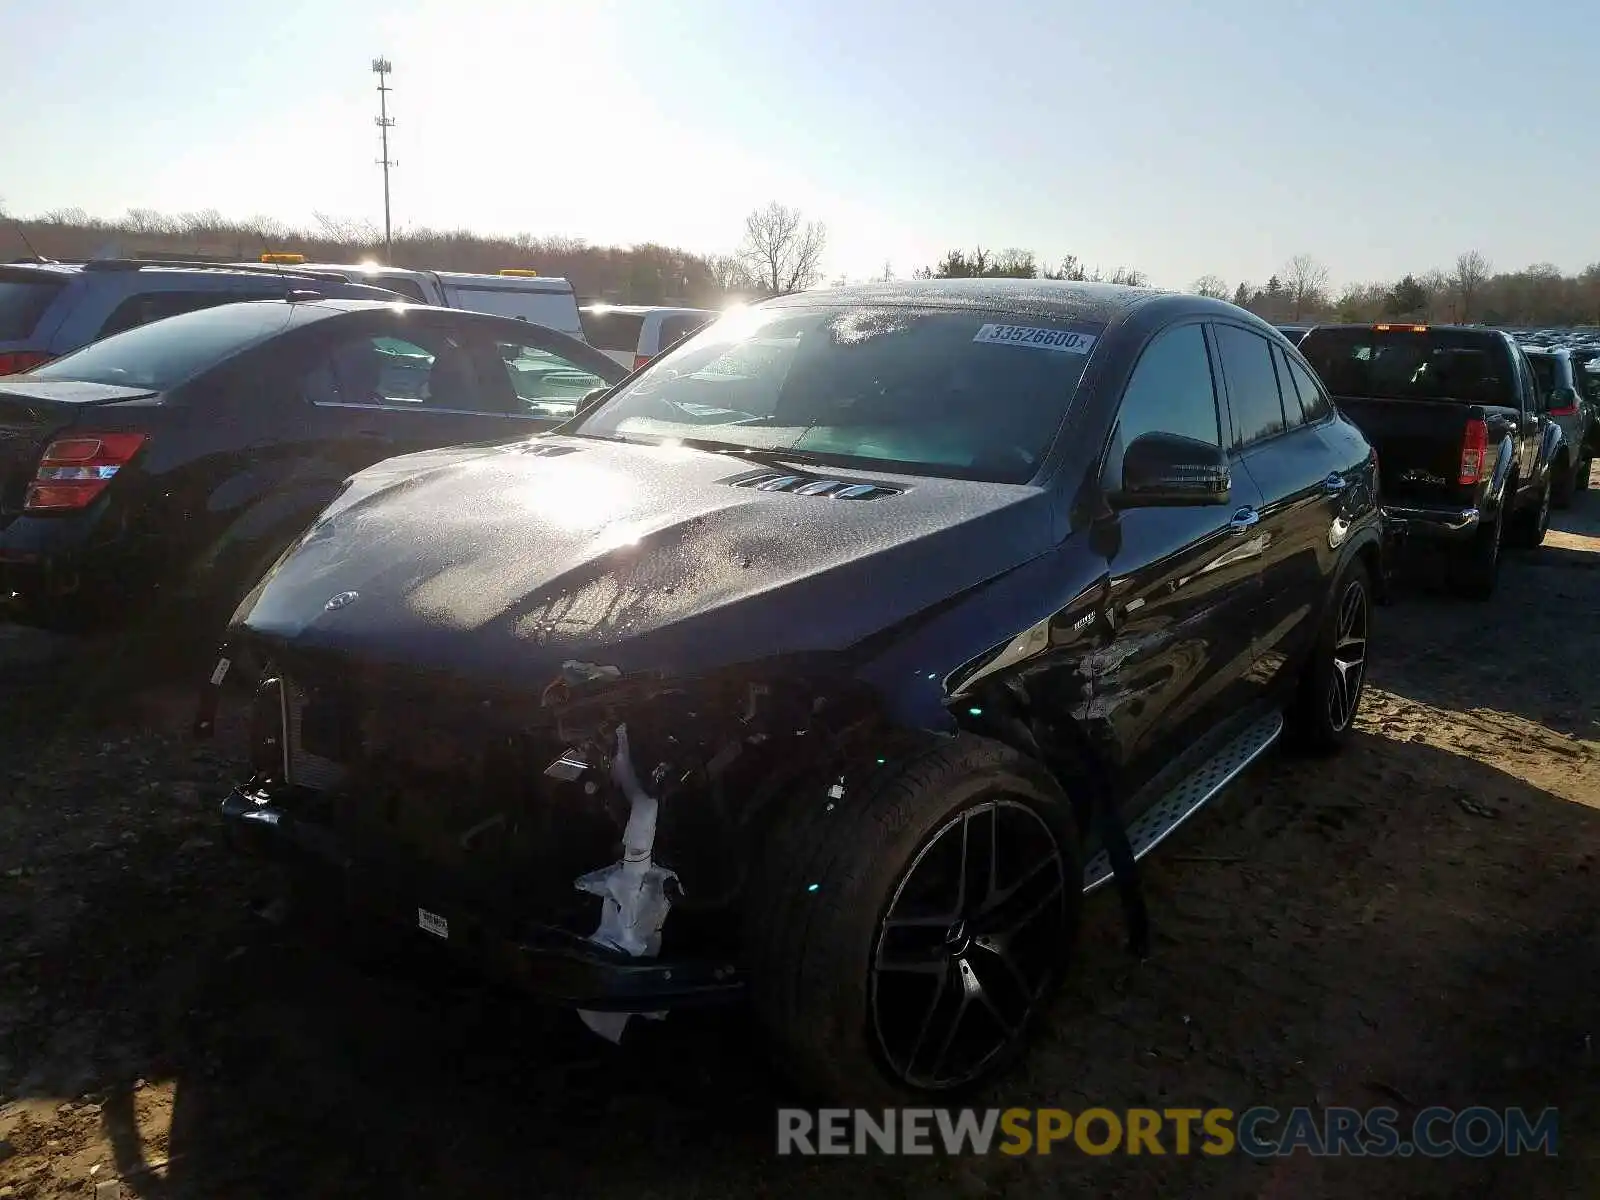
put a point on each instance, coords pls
(878, 625)
(181, 457)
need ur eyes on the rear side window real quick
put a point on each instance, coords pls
(1586, 375)
(1253, 399)
(1544, 372)
(164, 354)
(409, 288)
(674, 328)
(157, 306)
(611, 330)
(1404, 364)
(22, 303)
(1314, 403)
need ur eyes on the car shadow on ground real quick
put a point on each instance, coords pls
(1295, 922)
(1513, 654)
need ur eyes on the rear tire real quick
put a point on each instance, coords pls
(881, 938)
(1528, 527)
(1332, 684)
(1475, 568)
(1563, 483)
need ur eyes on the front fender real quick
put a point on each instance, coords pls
(1027, 621)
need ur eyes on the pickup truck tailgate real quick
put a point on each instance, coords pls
(30, 415)
(1418, 444)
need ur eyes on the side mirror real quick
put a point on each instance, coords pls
(1165, 469)
(589, 399)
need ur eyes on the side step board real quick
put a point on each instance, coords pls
(1152, 826)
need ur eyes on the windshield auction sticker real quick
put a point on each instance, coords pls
(1062, 341)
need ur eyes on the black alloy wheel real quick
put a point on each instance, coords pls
(969, 946)
(1349, 655)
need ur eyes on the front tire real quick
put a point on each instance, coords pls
(905, 935)
(1324, 708)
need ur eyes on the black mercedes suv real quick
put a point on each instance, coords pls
(825, 663)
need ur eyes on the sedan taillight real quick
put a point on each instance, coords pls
(75, 470)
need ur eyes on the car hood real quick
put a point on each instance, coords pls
(507, 562)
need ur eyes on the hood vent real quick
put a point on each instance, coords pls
(813, 485)
(545, 450)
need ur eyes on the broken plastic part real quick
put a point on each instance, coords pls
(634, 890)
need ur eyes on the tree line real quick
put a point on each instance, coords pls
(779, 250)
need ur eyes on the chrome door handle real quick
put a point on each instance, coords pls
(1245, 518)
(1335, 482)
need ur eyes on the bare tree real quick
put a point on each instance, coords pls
(888, 272)
(1304, 279)
(1213, 286)
(782, 253)
(1472, 272)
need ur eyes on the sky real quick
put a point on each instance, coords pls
(1179, 138)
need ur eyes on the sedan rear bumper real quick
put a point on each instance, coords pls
(1436, 524)
(550, 964)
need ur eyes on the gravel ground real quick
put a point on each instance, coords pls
(1410, 924)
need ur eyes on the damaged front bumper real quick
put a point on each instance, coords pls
(550, 964)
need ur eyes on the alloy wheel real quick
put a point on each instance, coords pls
(1349, 656)
(969, 946)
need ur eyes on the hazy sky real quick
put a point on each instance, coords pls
(1178, 137)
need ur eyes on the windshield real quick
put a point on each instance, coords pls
(1428, 364)
(925, 391)
(168, 352)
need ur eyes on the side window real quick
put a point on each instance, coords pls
(409, 288)
(673, 328)
(545, 384)
(153, 306)
(1314, 402)
(425, 370)
(1253, 398)
(1171, 390)
(1293, 416)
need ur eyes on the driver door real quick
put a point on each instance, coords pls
(1185, 580)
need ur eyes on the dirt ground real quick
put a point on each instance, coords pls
(1411, 924)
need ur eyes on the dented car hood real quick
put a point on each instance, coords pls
(505, 562)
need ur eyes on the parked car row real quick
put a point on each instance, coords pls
(824, 663)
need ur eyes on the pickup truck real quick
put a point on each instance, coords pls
(1465, 455)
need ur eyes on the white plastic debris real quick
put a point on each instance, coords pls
(634, 890)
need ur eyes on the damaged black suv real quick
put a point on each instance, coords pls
(827, 663)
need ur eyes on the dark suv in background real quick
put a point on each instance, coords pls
(48, 309)
(1563, 400)
(1468, 458)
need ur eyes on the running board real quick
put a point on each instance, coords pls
(1152, 826)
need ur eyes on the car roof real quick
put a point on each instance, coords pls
(1051, 298)
(644, 310)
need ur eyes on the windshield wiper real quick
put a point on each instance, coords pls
(776, 459)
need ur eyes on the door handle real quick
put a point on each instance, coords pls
(1334, 483)
(1245, 518)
